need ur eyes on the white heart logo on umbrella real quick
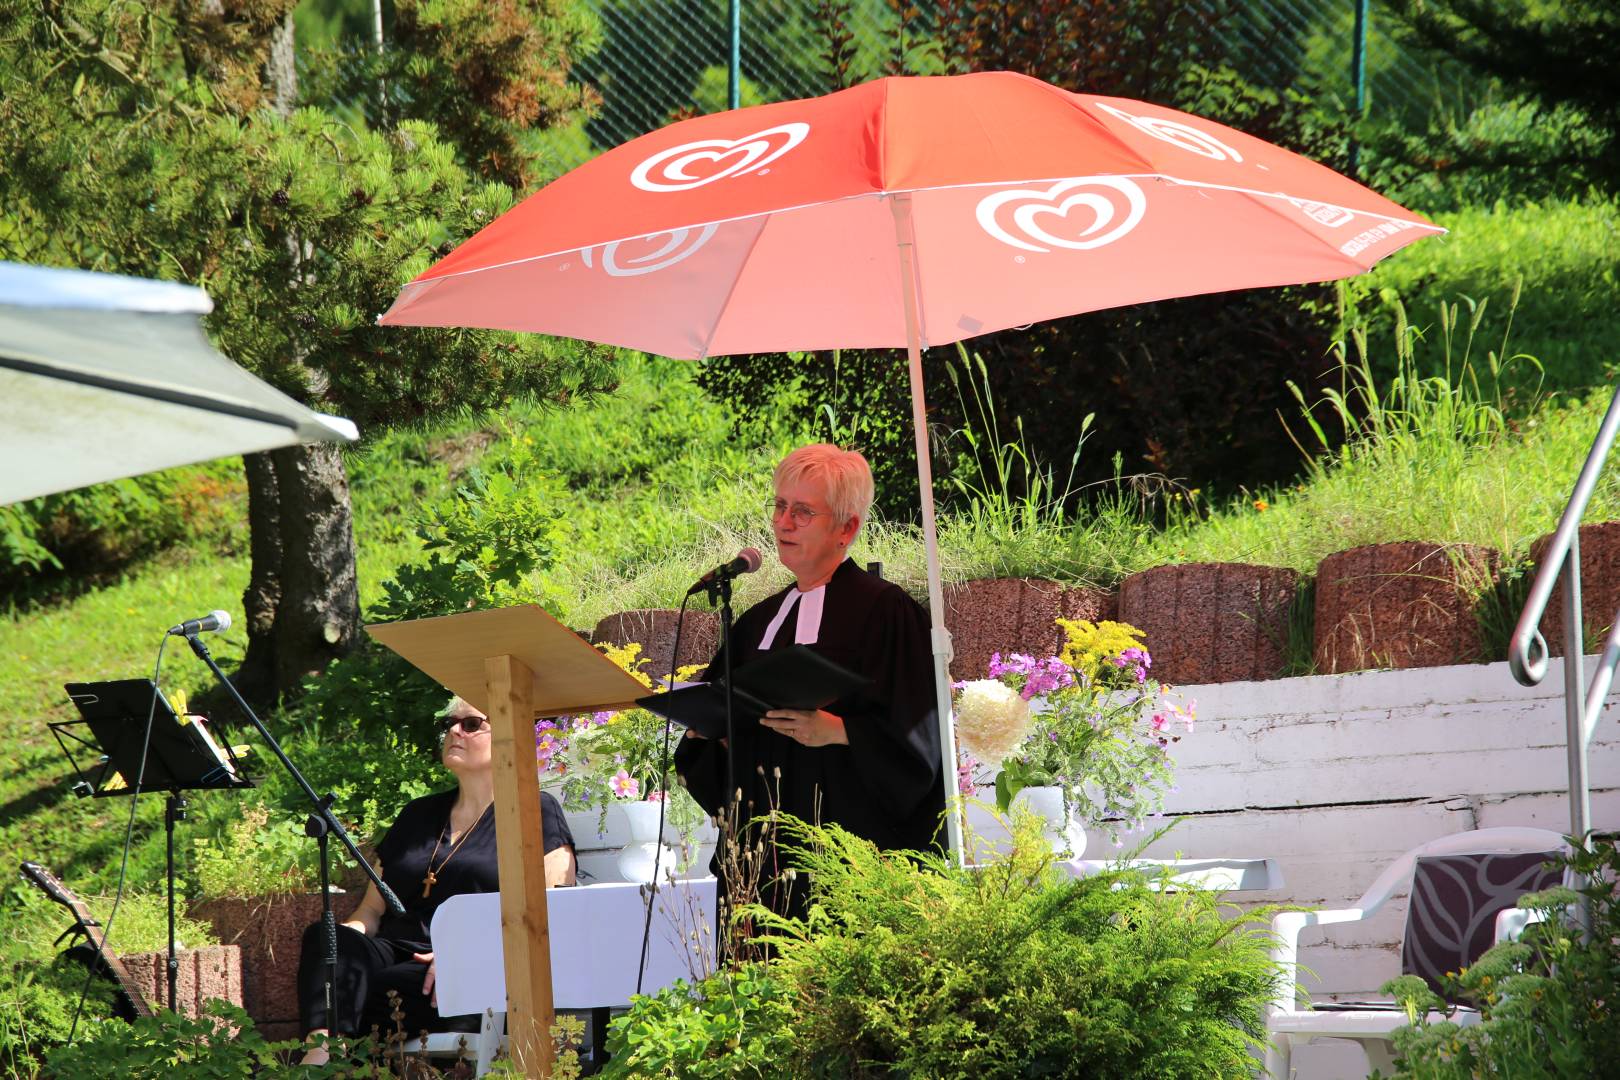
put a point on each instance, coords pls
(1177, 134)
(674, 250)
(669, 170)
(1107, 197)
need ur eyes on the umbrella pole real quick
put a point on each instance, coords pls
(905, 239)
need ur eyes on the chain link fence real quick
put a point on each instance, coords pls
(660, 60)
(664, 59)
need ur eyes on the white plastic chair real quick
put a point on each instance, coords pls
(1371, 1024)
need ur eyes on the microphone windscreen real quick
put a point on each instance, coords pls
(224, 619)
(751, 559)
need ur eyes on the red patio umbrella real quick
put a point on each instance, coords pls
(905, 212)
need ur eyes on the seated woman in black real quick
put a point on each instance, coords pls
(440, 846)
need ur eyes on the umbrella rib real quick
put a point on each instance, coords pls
(1264, 201)
(155, 393)
(736, 279)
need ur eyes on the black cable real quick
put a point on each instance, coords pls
(100, 960)
(663, 786)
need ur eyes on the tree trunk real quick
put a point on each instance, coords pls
(318, 617)
(281, 72)
(256, 678)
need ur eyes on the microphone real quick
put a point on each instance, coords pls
(214, 621)
(747, 561)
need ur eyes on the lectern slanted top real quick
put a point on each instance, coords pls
(570, 675)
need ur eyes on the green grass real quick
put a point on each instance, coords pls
(1565, 254)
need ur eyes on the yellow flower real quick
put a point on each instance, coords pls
(1089, 644)
(628, 657)
(1261, 505)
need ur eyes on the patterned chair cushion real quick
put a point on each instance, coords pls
(1451, 920)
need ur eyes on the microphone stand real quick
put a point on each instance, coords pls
(321, 824)
(719, 591)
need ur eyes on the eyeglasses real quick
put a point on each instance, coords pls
(801, 514)
(470, 725)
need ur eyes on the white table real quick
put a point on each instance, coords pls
(595, 933)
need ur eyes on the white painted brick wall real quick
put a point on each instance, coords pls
(1337, 775)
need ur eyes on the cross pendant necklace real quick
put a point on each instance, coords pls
(432, 878)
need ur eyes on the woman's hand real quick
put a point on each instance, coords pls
(427, 983)
(808, 727)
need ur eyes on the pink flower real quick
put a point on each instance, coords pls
(655, 796)
(624, 785)
(964, 777)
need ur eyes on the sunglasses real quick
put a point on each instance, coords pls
(470, 725)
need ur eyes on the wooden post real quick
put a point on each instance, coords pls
(525, 938)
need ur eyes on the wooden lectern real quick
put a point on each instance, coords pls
(516, 665)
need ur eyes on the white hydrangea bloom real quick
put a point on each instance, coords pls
(992, 720)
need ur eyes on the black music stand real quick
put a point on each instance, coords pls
(181, 756)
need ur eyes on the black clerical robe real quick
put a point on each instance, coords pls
(886, 784)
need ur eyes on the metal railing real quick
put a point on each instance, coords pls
(1527, 652)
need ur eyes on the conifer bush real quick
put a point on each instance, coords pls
(908, 967)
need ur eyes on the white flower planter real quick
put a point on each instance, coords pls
(1063, 831)
(645, 856)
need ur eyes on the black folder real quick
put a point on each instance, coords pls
(796, 677)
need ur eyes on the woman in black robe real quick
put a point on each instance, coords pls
(870, 762)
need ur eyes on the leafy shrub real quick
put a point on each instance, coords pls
(94, 530)
(253, 858)
(39, 989)
(484, 545)
(732, 1024)
(1548, 1002)
(260, 849)
(908, 966)
(222, 1043)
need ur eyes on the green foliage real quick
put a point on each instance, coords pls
(485, 544)
(39, 989)
(222, 1043)
(1556, 54)
(1546, 270)
(730, 1025)
(253, 858)
(858, 399)
(302, 227)
(488, 76)
(94, 530)
(1547, 1002)
(907, 966)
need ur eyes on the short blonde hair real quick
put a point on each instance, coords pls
(843, 474)
(454, 705)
